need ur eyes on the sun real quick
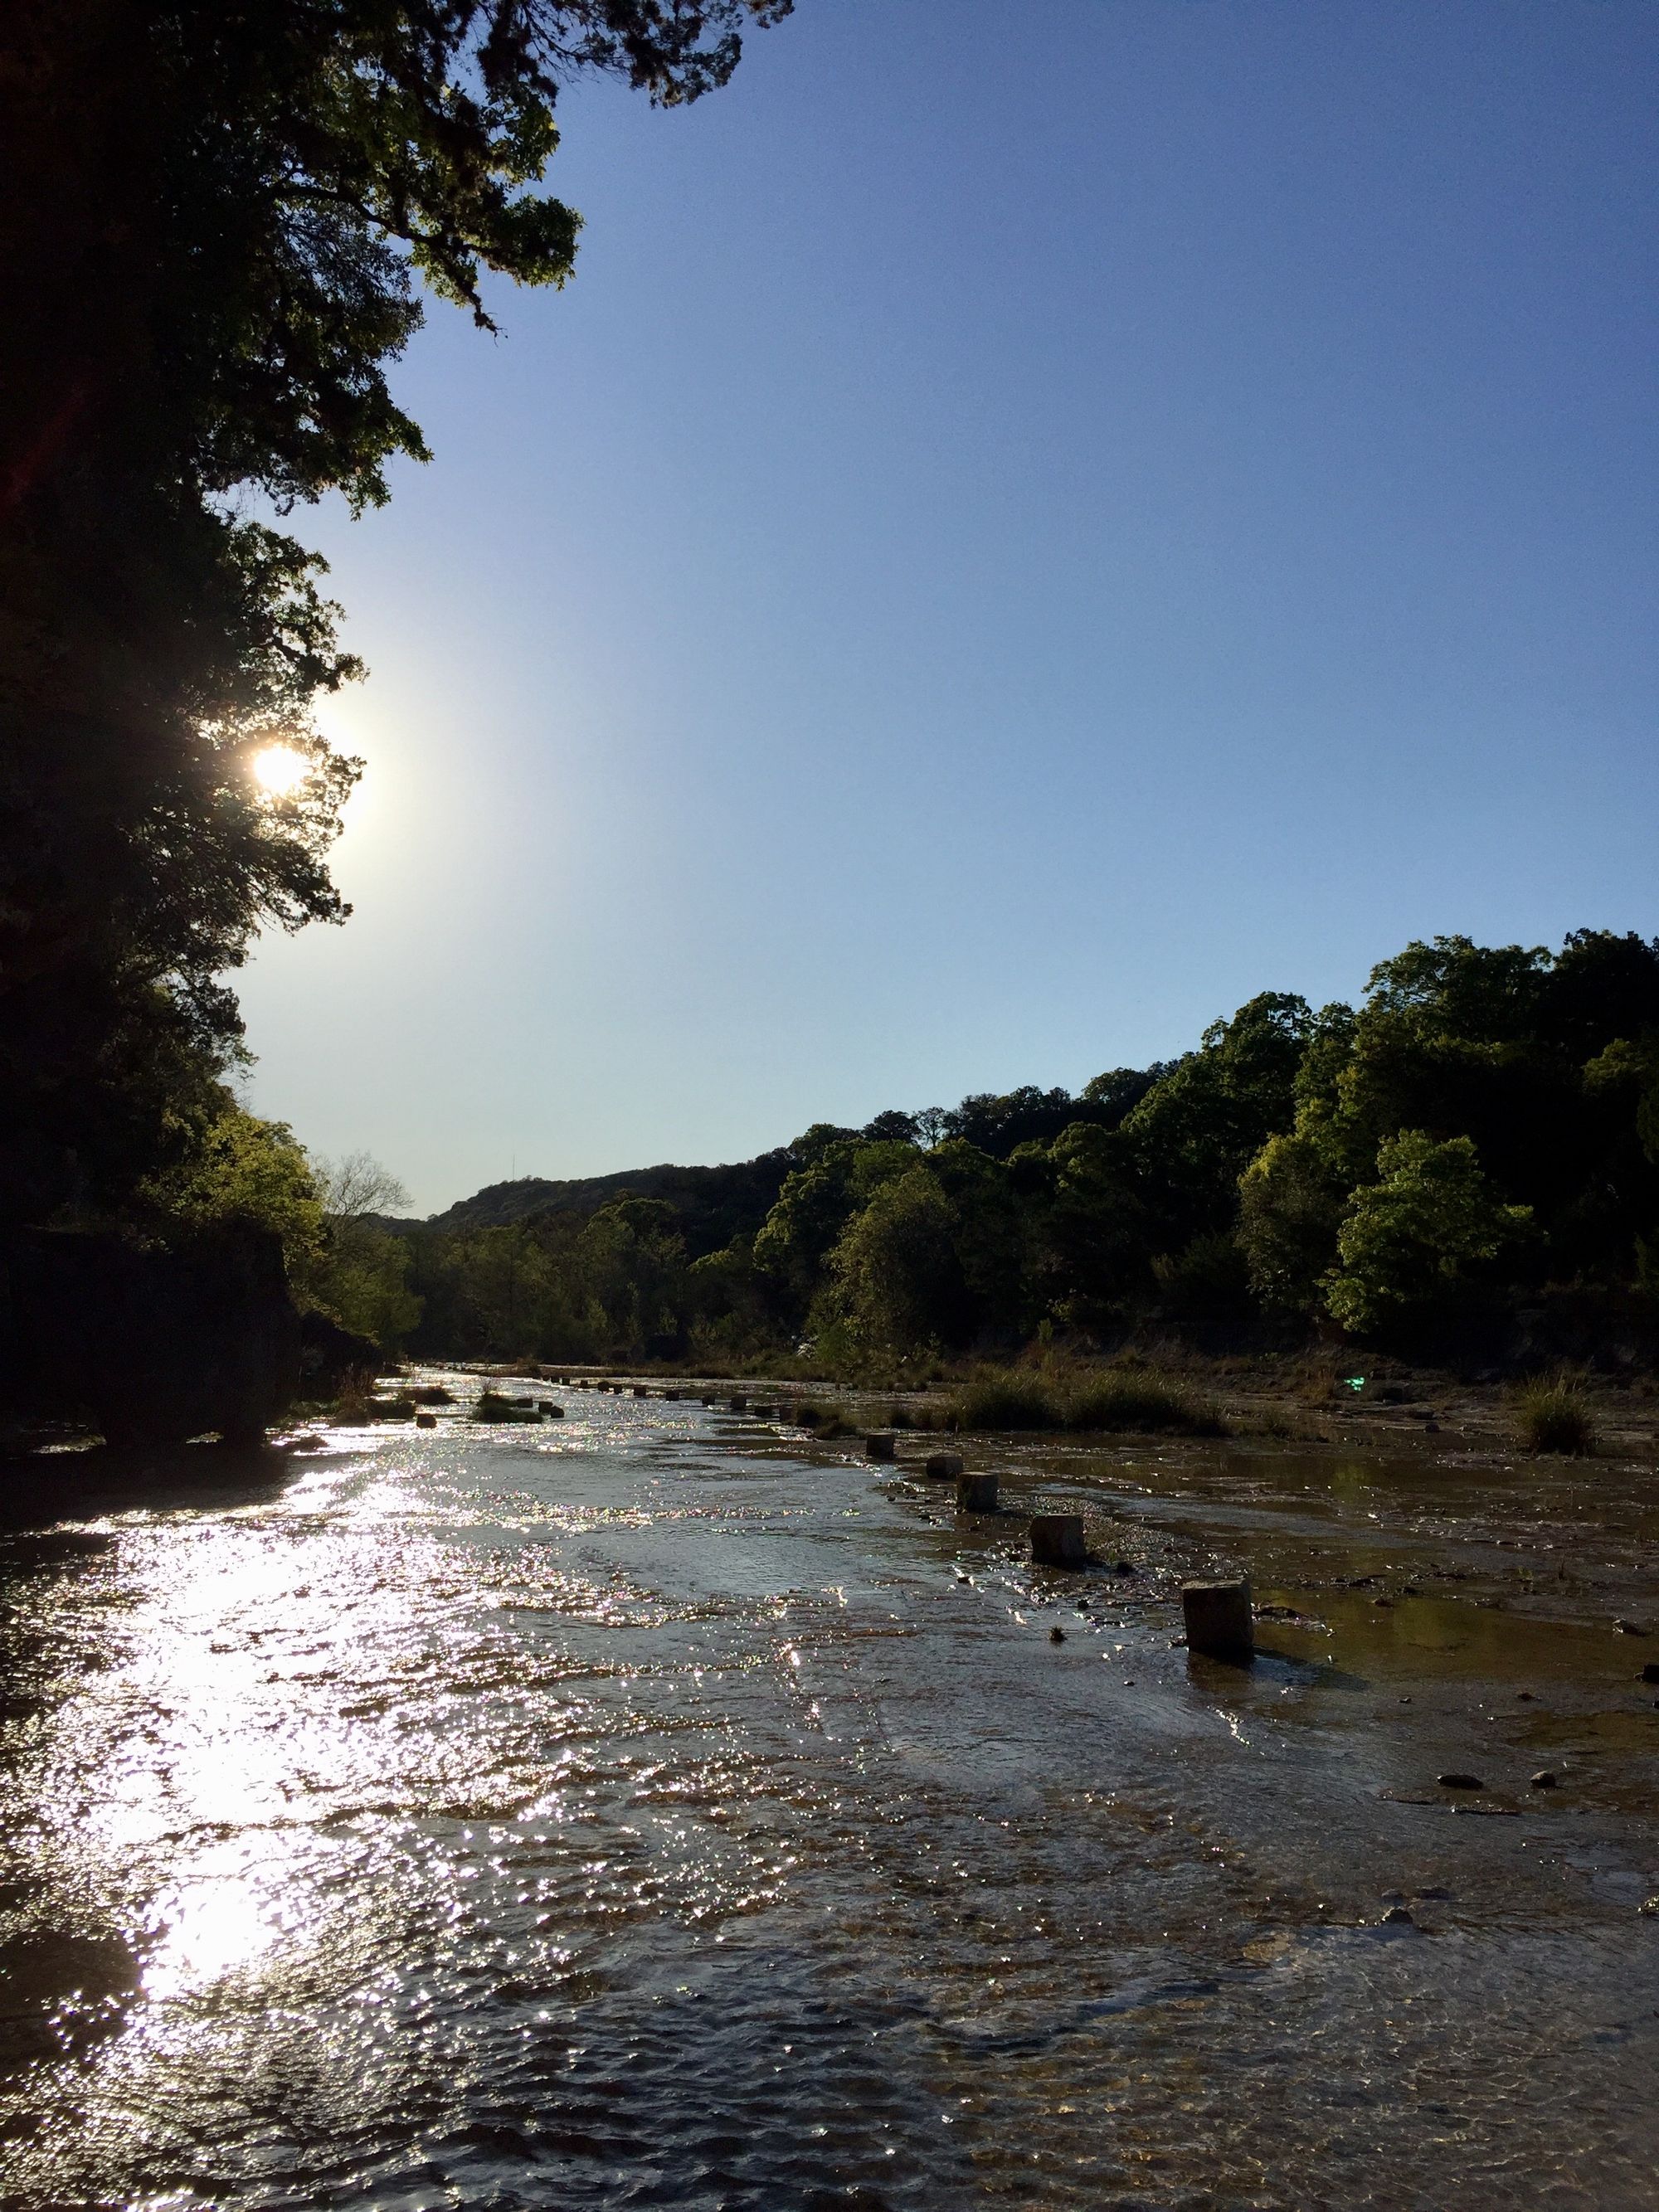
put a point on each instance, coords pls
(279, 770)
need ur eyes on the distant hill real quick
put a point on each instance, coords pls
(715, 1204)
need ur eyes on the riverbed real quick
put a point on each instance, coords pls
(651, 1808)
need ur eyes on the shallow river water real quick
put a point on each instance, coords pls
(649, 1810)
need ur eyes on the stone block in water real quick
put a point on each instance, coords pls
(976, 1493)
(1218, 1618)
(943, 1465)
(1057, 1541)
(879, 1443)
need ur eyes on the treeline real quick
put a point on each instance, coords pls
(1465, 1162)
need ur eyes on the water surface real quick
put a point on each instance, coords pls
(646, 1809)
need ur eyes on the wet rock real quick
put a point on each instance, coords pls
(1459, 1781)
(880, 1445)
(1056, 1635)
(1057, 1539)
(1543, 1779)
(1398, 1916)
(1628, 1628)
(1218, 1618)
(1123, 1566)
(1650, 1672)
(976, 1493)
(944, 1467)
(426, 1420)
(1526, 1697)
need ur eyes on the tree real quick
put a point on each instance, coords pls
(897, 1281)
(1290, 1206)
(1420, 1235)
(363, 1278)
(215, 225)
(356, 1185)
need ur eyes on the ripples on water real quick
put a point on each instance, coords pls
(610, 1816)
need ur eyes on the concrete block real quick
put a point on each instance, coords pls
(1218, 1618)
(880, 1445)
(945, 1466)
(1057, 1539)
(976, 1493)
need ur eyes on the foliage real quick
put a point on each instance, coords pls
(1554, 1415)
(214, 229)
(1481, 1130)
(244, 1169)
(1418, 1234)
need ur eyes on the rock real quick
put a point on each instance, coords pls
(640, 1391)
(1123, 1566)
(306, 1442)
(1526, 1697)
(161, 1343)
(1650, 1672)
(1459, 1781)
(1398, 1916)
(878, 1444)
(426, 1420)
(976, 1493)
(1218, 1618)
(737, 1405)
(1057, 1539)
(1543, 1779)
(1628, 1628)
(945, 1466)
(1056, 1635)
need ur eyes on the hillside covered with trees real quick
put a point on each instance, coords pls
(1466, 1165)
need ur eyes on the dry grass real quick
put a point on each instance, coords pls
(1554, 1415)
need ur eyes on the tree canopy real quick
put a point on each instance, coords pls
(1478, 1139)
(217, 226)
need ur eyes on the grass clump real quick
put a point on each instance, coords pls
(1140, 1401)
(1554, 1415)
(1005, 1400)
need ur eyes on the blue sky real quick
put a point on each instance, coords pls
(1032, 523)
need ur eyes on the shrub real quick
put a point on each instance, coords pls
(1554, 1416)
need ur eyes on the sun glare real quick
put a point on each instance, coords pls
(279, 769)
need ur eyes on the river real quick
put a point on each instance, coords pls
(651, 1808)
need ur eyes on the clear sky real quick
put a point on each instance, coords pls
(1032, 523)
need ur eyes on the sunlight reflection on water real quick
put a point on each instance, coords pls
(501, 1820)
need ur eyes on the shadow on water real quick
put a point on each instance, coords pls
(40, 1489)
